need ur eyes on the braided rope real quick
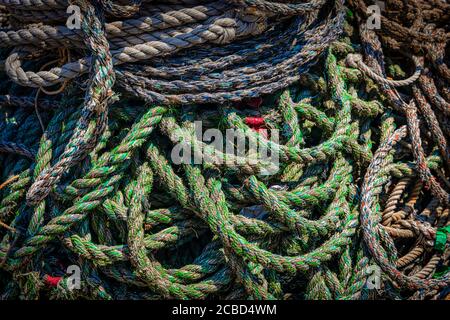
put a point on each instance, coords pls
(362, 176)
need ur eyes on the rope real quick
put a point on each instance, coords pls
(362, 177)
(412, 271)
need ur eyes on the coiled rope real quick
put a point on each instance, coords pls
(427, 38)
(99, 189)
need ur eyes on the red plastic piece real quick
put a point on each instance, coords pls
(254, 121)
(52, 281)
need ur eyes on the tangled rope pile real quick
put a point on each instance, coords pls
(88, 179)
(423, 34)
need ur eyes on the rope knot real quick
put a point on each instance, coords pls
(353, 59)
(225, 29)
